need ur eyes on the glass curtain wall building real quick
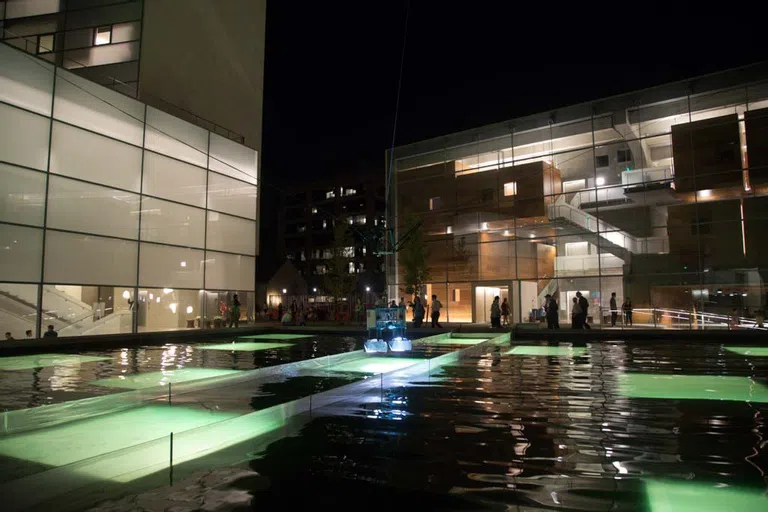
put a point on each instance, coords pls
(658, 195)
(114, 216)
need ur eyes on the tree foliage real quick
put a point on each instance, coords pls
(413, 257)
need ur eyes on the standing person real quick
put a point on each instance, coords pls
(9, 336)
(401, 307)
(504, 312)
(436, 306)
(495, 313)
(627, 308)
(584, 303)
(576, 314)
(266, 311)
(234, 311)
(553, 312)
(280, 312)
(51, 332)
(614, 310)
(28, 333)
(418, 312)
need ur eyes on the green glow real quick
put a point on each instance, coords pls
(161, 378)
(375, 364)
(80, 440)
(43, 360)
(276, 336)
(695, 387)
(749, 351)
(250, 347)
(457, 341)
(666, 496)
(536, 350)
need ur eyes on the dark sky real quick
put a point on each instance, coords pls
(332, 67)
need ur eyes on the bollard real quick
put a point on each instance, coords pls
(170, 463)
(169, 393)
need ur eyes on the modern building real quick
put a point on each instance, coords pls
(198, 60)
(307, 217)
(116, 217)
(659, 195)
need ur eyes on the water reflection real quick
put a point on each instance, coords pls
(544, 432)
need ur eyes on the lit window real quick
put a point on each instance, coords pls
(45, 43)
(484, 226)
(103, 35)
(456, 295)
(351, 268)
(302, 229)
(325, 223)
(314, 210)
(573, 185)
(330, 194)
(350, 220)
(348, 252)
(434, 203)
(449, 230)
(364, 251)
(510, 189)
(350, 192)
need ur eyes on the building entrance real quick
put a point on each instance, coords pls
(484, 298)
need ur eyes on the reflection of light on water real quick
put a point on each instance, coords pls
(168, 357)
(65, 377)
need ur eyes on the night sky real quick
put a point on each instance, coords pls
(331, 71)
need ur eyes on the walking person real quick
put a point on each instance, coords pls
(495, 313)
(576, 314)
(418, 312)
(584, 303)
(234, 312)
(51, 332)
(614, 310)
(436, 306)
(627, 308)
(551, 309)
(504, 312)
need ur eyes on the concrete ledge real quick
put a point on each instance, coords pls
(748, 336)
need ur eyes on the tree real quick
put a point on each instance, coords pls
(413, 257)
(337, 280)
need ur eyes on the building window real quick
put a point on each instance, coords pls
(351, 267)
(358, 219)
(314, 210)
(320, 269)
(348, 252)
(510, 189)
(45, 43)
(303, 256)
(434, 203)
(325, 223)
(487, 194)
(330, 194)
(350, 192)
(302, 229)
(602, 161)
(623, 155)
(327, 254)
(449, 230)
(456, 295)
(102, 35)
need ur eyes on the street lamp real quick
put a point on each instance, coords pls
(314, 290)
(285, 291)
(367, 288)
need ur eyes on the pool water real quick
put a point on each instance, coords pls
(652, 426)
(34, 380)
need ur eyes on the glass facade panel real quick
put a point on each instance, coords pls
(232, 159)
(106, 161)
(86, 104)
(176, 138)
(169, 310)
(25, 81)
(231, 196)
(22, 195)
(167, 267)
(229, 271)
(77, 310)
(98, 260)
(171, 223)
(230, 234)
(24, 137)
(18, 314)
(170, 179)
(101, 55)
(21, 250)
(77, 206)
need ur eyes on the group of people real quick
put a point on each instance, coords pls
(499, 313)
(50, 333)
(419, 311)
(626, 308)
(580, 312)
